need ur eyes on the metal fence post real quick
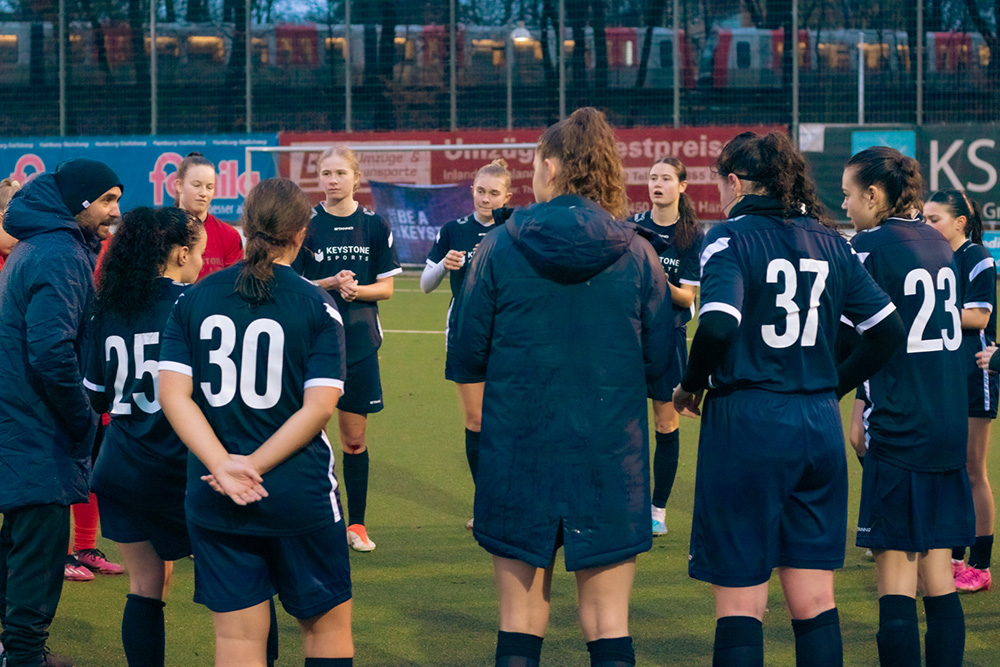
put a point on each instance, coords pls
(249, 70)
(795, 71)
(153, 110)
(676, 20)
(861, 77)
(348, 121)
(920, 62)
(62, 68)
(562, 58)
(452, 84)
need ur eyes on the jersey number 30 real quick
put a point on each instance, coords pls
(246, 379)
(793, 326)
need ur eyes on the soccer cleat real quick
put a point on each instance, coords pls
(96, 561)
(75, 571)
(357, 538)
(468, 524)
(50, 659)
(973, 579)
(957, 567)
(659, 520)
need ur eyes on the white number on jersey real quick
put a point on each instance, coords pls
(247, 380)
(116, 344)
(946, 282)
(786, 300)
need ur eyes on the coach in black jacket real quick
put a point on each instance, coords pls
(46, 424)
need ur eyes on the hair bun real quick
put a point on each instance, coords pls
(194, 154)
(500, 162)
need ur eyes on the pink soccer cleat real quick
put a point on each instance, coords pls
(973, 579)
(75, 571)
(96, 561)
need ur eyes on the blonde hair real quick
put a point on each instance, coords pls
(8, 187)
(585, 145)
(346, 153)
(497, 169)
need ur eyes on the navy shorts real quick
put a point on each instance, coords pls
(126, 524)
(662, 389)
(362, 388)
(452, 373)
(984, 391)
(905, 510)
(310, 573)
(771, 487)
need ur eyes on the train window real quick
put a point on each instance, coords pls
(568, 46)
(984, 55)
(8, 49)
(876, 55)
(489, 48)
(118, 48)
(903, 53)
(743, 55)
(335, 46)
(629, 53)
(406, 49)
(835, 56)
(206, 48)
(307, 50)
(260, 51)
(165, 46)
(666, 53)
(77, 50)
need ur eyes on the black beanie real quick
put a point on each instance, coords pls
(82, 181)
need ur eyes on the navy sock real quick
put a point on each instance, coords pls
(818, 642)
(329, 662)
(665, 459)
(944, 642)
(981, 553)
(739, 642)
(472, 451)
(614, 652)
(517, 649)
(356, 485)
(272, 635)
(898, 635)
(958, 553)
(142, 631)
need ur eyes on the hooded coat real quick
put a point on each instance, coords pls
(559, 313)
(46, 286)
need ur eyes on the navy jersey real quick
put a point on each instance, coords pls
(787, 282)
(916, 417)
(362, 243)
(250, 368)
(464, 235)
(681, 266)
(977, 275)
(142, 460)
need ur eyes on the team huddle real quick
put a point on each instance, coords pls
(220, 385)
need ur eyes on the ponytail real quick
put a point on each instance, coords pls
(686, 230)
(274, 211)
(591, 167)
(958, 204)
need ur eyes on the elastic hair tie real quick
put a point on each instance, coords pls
(267, 238)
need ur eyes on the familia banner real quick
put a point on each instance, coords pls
(147, 164)
(951, 157)
(416, 213)
(403, 162)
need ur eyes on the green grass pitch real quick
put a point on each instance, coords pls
(425, 596)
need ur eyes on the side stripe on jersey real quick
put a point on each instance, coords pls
(866, 413)
(862, 256)
(713, 247)
(332, 477)
(183, 369)
(389, 273)
(875, 319)
(979, 268)
(324, 382)
(91, 386)
(722, 308)
(986, 375)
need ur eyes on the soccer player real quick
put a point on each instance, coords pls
(194, 185)
(8, 187)
(959, 219)
(673, 218)
(140, 473)
(451, 254)
(251, 368)
(349, 253)
(557, 313)
(915, 499)
(771, 484)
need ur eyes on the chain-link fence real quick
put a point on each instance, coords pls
(91, 67)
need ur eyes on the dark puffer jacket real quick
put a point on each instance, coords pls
(559, 313)
(46, 286)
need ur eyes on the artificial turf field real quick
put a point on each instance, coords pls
(425, 596)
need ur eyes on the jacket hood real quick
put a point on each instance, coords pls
(38, 208)
(569, 239)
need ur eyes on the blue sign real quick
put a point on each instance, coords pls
(146, 164)
(992, 242)
(416, 213)
(904, 141)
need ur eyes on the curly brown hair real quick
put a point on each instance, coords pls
(777, 169)
(591, 167)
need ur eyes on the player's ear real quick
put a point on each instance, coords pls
(300, 237)
(183, 255)
(551, 169)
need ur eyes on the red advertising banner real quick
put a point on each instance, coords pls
(696, 147)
